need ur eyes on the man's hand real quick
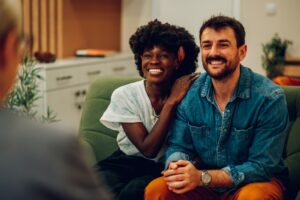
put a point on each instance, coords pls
(182, 176)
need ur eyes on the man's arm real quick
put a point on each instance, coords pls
(150, 143)
(182, 176)
(264, 155)
(179, 141)
(267, 146)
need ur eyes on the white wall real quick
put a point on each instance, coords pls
(260, 27)
(191, 13)
(134, 14)
(187, 13)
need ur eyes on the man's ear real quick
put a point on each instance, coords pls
(8, 49)
(2, 54)
(2, 62)
(242, 51)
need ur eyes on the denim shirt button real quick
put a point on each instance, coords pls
(225, 129)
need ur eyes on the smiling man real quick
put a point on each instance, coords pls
(228, 133)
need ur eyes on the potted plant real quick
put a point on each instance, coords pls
(24, 95)
(273, 55)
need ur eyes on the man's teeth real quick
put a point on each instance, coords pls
(216, 62)
(155, 71)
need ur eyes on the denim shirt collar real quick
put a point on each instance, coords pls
(242, 90)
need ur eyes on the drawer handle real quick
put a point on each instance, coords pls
(63, 78)
(94, 73)
(118, 69)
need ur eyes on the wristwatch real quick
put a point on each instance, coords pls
(205, 178)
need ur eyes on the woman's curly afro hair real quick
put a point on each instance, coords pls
(170, 38)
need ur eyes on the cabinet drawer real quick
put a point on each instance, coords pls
(91, 71)
(122, 68)
(65, 77)
(67, 104)
(118, 68)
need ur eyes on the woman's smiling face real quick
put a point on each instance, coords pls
(158, 65)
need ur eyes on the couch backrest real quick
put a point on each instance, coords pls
(98, 140)
(292, 149)
(293, 102)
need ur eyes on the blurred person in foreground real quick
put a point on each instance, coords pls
(36, 162)
(228, 135)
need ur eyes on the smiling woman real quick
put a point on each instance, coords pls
(158, 63)
(166, 57)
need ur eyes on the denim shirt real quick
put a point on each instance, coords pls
(247, 141)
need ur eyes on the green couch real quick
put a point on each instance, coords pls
(99, 142)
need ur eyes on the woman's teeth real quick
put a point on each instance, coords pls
(155, 71)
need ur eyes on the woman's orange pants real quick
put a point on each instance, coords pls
(158, 190)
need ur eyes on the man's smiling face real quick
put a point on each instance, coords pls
(219, 52)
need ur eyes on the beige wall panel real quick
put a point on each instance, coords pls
(44, 30)
(35, 24)
(53, 26)
(26, 18)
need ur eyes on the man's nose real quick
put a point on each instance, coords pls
(214, 50)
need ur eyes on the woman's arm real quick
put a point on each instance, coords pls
(149, 144)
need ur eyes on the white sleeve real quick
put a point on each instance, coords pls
(122, 108)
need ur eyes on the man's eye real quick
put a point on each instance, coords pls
(223, 45)
(206, 46)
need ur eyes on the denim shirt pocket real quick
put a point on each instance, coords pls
(239, 144)
(201, 136)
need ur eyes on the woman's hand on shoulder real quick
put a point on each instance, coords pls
(181, 86)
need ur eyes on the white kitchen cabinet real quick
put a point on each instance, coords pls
(66, 83)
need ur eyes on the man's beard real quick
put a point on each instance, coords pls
(227, 70)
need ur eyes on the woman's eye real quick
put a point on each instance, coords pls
(164, 56)
(147, 56)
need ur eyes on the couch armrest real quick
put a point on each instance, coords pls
(89, 152)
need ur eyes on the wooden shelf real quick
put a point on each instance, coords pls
(292, 70)
(63, 26)
(292, 67)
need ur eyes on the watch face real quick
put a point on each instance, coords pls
(206, 178)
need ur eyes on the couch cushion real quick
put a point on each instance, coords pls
(292, 149)
(101, 145)
(92, 132)
(293, 103)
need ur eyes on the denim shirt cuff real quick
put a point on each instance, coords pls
(176, 156)
(236, 176)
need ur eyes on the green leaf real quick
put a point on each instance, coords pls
(273, 55)
(25, 94)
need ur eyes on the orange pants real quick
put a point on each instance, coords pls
(158, 190)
